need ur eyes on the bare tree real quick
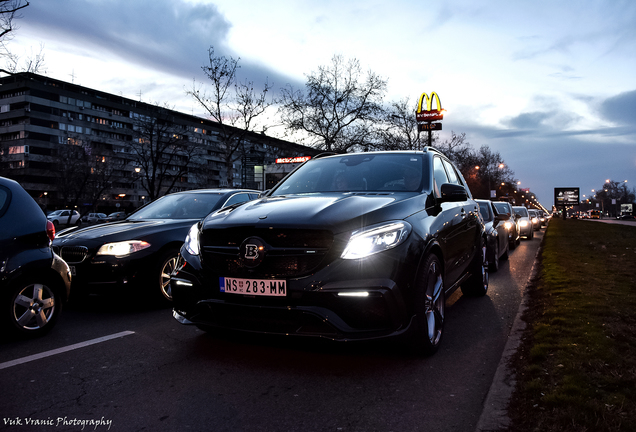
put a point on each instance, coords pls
(162, 151)
(457, 149)
(339, 108)
(32, 63)
(398, 131)
(85, 171)
(235, 106)
(9, 12)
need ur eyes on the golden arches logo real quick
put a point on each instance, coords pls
(429, 102)
(428, 114)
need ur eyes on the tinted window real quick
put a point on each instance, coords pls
(502, 208)
(357, 172)
(484, 209)
(439, 174)
(521, 211)
(179, 206)
(238, 198)
(452, 175)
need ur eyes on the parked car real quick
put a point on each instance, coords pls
(497, 245)
(34, 281)
(512, 224)
(61, 217)
(93, 218)
(346, 247)
(525, 225)
(534, 218)
(117, 216)
(139, 252)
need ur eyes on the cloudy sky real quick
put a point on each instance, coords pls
(550, 85)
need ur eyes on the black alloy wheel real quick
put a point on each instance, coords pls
(430, 304)
(477, 283)
(494, 265)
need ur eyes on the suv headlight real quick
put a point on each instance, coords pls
(121, 249)
(376, 239)
(192, 240)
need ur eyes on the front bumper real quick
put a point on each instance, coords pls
(344, 301)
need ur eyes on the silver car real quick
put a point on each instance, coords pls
(525, 224)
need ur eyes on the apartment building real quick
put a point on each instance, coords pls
(72, 146)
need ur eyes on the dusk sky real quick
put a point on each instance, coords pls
(550, 85)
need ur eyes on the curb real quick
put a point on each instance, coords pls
(494, 417)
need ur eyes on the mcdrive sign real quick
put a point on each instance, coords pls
(566, 196)
(425, 111)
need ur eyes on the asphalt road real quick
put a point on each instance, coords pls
(149, 373)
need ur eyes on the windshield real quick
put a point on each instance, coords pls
(366, 172)
(521, 211)
(179, 206)
(502, 208)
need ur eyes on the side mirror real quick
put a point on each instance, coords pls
(502, 217)
(453, 193)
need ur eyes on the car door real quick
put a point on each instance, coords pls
(471, 223)
(450, 225)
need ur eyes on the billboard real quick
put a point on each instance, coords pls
(566, 196)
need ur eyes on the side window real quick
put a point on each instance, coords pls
(452, 175)
(238, 198)
(439, 174)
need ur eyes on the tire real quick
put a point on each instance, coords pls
(161, 275)
(430, 304)
(477, 283)
(494, 265)
(34, 306)
(506, 254)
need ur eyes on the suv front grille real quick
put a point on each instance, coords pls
(290, 252)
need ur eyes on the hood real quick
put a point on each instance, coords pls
(123, 230)
(334, 211)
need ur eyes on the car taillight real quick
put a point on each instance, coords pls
(50, 230)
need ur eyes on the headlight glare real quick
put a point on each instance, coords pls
(376, 239)
(122, 249)
(192, 240)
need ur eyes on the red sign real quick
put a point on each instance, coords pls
(429, 116)
(297, 159)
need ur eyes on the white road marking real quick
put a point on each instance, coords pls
(63, 349)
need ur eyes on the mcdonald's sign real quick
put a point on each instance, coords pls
(425, 111)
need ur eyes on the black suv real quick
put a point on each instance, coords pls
(346, 247)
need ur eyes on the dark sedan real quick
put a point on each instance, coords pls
(497, 245)
(34, 281)
(142, 249)
(347, 247)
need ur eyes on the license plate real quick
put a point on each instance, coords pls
(259, 287)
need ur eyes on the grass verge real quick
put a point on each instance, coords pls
(576, 367)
